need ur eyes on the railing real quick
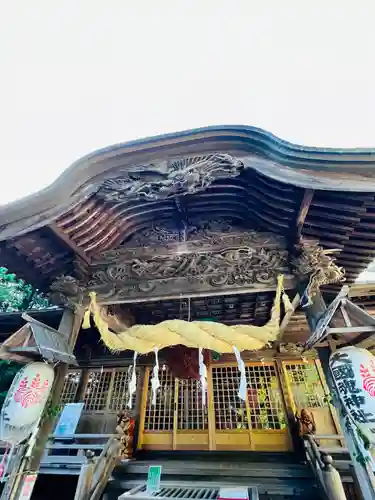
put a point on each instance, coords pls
(91, 456)
(67, 455)
(96, 472)
(321, 462)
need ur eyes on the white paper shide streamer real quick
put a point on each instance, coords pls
(155, 382)
(241, 368)
(132, 387)
(203, 376)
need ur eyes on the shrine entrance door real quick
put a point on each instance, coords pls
(179, 421)
(308, 390)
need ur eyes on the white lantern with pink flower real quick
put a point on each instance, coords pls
(25, 402)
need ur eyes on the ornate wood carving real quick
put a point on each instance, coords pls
(290, 348)
(67, 291)
(212, 258)
(317, 265)
(170, 178)
(208, 262)
(190, 273)
(198, 236)
(196, 233)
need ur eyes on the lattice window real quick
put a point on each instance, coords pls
(108, 390)
(71, 384)
(190, 410)
(97, 390)
(119, 397)
(230, 410)
(159, 417)
(265, 404)
(264, 397)
(305, 385)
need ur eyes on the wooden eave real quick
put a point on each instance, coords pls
(295, 191)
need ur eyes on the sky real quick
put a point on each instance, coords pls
(80, 75)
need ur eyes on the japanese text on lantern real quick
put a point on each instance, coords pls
(349, 388)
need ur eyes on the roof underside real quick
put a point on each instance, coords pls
(114, 197)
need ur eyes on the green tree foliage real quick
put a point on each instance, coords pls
(16, 295)
(8, 370)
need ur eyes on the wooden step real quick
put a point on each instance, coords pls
(208, 468)
(276, 478)
(273, 487)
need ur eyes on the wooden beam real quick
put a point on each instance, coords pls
(359, 340)
(24, 350)
(350, 329)
(320, 316)
(303, 211)
(68, 241)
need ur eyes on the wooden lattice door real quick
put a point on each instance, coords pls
(308, 390)
(259, 422)
(178, 420)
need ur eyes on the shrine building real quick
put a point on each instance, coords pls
(200, 262)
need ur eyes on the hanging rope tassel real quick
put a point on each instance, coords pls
(241, 368)
(132, 387)
(286, 301)
(203, 376)
(86, 324)
(155, 382)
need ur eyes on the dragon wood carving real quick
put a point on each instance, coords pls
(132, 274)
(234, 265)
(170, 178)
(67, 291)
(318, 266)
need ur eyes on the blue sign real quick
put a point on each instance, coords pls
(68, 421)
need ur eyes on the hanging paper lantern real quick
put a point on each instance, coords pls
(184, 362)
(353, 371)
(25, 402)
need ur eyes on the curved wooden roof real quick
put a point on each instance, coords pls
(266, 183)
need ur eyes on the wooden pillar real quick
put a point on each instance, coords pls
(288, 401)
(81, 390)
(142, 411)
(332, 480)
(69, 326)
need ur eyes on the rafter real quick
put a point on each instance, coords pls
(302, 214)
(65, 238)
